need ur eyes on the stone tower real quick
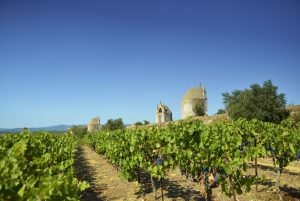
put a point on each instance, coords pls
(192, 97)
(163, 114)
(94, 125)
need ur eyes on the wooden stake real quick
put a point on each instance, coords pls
(162, 189)
(232, 189)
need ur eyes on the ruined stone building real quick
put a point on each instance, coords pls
(191, 98)
(163, 114)
(94, 125)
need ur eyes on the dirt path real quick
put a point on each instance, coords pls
(103, 178)
(106, 183)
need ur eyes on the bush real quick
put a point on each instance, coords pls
(114, 124)
(221, 111)
(138, 123)
(198, 109)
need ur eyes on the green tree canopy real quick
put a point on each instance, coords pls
(146, 122)
(78, 131)
(199, 109)
(221, 111)
(138, 123)
(114, 124)
(260, 102)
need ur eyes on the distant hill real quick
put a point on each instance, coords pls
(58, 128)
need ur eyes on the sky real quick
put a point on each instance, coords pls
(66, 61)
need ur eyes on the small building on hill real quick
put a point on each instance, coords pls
(190, 99)
(94, 125)
(163, 114)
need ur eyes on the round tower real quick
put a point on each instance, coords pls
(94, 125)
(191, 98)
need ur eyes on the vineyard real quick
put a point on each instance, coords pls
(225, 150)
(40, 166)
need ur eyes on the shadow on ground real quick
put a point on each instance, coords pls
(288, 192)
(171, 189)
(268, 168)
(84, 172)
(174, 190)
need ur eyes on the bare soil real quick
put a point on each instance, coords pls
(106, 183)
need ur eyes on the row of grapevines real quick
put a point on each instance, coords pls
(38, 167)
(225, 147)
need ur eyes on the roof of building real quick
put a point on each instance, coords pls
(95, 121)
(195, 93)
(163, 107)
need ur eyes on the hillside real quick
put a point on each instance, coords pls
(57, 128)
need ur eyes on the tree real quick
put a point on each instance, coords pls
(260, 102)
(78, 131)
(221, 111)
(138, 123)
(198, 109)
(146, 122)
(114, 124)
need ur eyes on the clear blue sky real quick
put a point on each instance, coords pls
(64, 62)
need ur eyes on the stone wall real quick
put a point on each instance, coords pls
(206, 119)
(295, 109)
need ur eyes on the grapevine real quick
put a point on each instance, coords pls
(38, 167)
(224, 149)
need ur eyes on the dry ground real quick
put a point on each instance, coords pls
(106, 183)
